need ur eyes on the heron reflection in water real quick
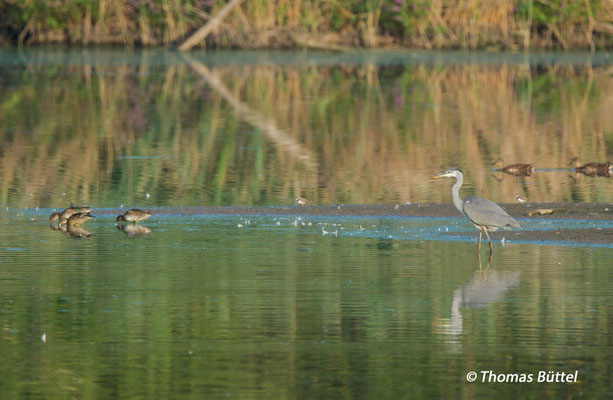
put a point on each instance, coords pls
(485, 215)
(486, 287)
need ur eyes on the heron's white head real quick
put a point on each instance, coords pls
(450, 173)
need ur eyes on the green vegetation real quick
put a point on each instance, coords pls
(353, 134)
(518, 24)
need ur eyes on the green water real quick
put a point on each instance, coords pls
(265, 307)
(271, 307)
(108, 127)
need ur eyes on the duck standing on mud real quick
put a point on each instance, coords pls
(134, 215)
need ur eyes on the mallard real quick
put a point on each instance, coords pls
(514, 169)
(79, 218)
(54, 217)
(591, 169)
(73, 210)
(134, 215)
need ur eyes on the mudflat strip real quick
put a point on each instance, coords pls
(561, 212)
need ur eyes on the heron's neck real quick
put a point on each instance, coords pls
(455, 194)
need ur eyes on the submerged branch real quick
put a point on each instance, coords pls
(275, 134)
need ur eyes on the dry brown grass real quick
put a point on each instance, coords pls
(519, 24)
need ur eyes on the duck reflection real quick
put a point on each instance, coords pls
(132, 230)
(71, 225)
(77, 231)
(486, 287)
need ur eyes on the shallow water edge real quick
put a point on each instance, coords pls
(569, 222)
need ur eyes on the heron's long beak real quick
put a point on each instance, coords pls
(439, 175)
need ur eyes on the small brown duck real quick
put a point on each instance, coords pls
(301, 200)
(514, 169)
(592, 169)
(134, 215)
(79, 218)
(73, 210)
(54, 217)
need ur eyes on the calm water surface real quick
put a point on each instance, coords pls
(108, 127)
(284, 307)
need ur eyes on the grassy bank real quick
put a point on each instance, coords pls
(465, 24)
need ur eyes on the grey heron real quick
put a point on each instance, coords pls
(483, 213)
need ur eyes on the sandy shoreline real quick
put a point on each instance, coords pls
(562, 211)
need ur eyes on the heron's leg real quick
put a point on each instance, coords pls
(479, 241)
(488, 239)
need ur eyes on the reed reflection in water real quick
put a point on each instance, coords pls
(202, 308)
(109, 132)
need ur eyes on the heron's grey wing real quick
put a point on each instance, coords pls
(487, 213)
